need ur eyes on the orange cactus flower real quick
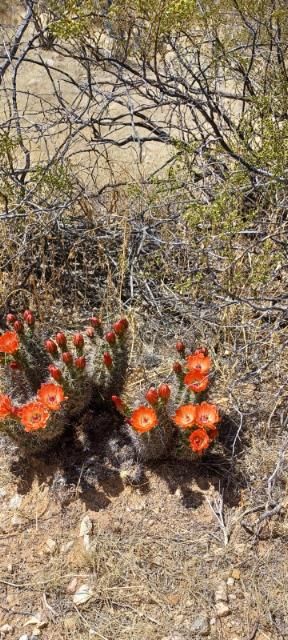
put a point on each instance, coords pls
(143, 419)
(199, 362)
(199, 441)
(185, 416)
(33, 416)
(207, 415)
(196, 382)
(9, 342)
(6, 408)
(51, 396)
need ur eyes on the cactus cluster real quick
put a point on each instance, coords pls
(176, 418)
(47, 383)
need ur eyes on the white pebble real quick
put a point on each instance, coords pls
(222, 610)
(221, 594)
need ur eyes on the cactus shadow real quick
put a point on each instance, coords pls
(86, 464)
(70, 474)
(218, 468)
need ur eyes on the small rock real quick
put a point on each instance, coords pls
(86, 542)
(85, 527)
(6, 628)
(17, 521)
(140, 507)
(232, 596)
(72, 586)
(33, 620)
(10, 568)
(24, 637)
(83, 594)
(179, 618)
(230, 582)
(15, 501)
(67, 546)
(40, 621)
(222, 610)
(235, 574)
(221, 594)
(36, 633)
(70, 623)
(213, 621)
(50, 545)
(201, 625)
(173, 598)
(3, 492)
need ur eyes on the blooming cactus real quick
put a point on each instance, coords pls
(46, 382)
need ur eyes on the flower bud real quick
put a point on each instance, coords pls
(50, 346)
(67, 358)
(61, 340)
(10, 318)
(90, 332)
(107, 360)
(119, 404)
(110, 337)
(55, 372)
(80, 362)
(78, 341)
(177, 367)
(120, 326)
(29, 317)
(124, 323)
(152, 396)
(15, 366)
(95, 322)
(18, 326)
(180, 346)
(164, 392)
